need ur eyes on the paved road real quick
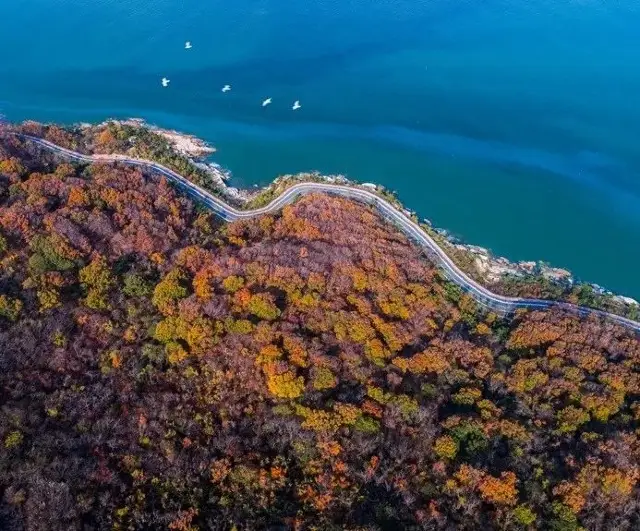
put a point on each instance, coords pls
(498, 303)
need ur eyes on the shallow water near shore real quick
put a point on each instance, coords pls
(513, 124)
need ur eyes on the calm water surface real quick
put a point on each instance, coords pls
(515, 124)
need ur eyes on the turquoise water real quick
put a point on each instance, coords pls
(513, 123)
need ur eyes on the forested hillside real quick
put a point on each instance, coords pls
(308, 370)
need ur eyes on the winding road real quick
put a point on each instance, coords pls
(498, 303)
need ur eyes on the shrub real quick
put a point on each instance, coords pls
(263, 307)
(232, 284)
(446, 447)
(367, 425)
(10, 308)
(524, 516)
(13, 440)
(136, 286)
(285, 385)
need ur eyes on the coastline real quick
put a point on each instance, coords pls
(195, 149)
(496, 273)
(485, 266)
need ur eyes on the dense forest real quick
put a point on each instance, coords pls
(306, 370)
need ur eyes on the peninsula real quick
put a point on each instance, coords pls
(174, 355)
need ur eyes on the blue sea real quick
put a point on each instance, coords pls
(515, 124)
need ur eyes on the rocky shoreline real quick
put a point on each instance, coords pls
(185, 144)
(197, 151)
(493, 269)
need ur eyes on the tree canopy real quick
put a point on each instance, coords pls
(306, 370)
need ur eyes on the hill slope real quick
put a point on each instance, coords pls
(308, 369)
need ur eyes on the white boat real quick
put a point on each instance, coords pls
(226, 88)
(296, 105)
(187, 45)
(165, 82)
(266, 102)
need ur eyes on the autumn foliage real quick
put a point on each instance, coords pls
(304, 370)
